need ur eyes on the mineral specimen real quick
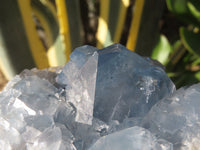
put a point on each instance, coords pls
(98, 100)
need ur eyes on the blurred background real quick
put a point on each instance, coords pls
(43, 33)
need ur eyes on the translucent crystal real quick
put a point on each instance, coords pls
(77, 59)
(79, 76)
(134, 138)
(127, 84)
(176, 118)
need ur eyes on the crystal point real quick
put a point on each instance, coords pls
(127, 85)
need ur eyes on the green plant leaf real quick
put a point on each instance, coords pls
(197, 75)
(194, 10)
(190, 40)
(196, 62)
(177, 6)
(181, 9)
(162, 50)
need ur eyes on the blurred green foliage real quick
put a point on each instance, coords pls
(162, 50)
(182, 57)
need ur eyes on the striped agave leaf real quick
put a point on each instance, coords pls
(70, 24)
(144, 33)
(45, 12)
(111, 21)
(16, 50)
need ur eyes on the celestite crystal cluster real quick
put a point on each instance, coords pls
(108, 99)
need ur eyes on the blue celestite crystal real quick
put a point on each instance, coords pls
(110, 98)
(119, 82)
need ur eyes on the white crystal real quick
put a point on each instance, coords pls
(19, 104)
(79, 76)
(81, 91)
